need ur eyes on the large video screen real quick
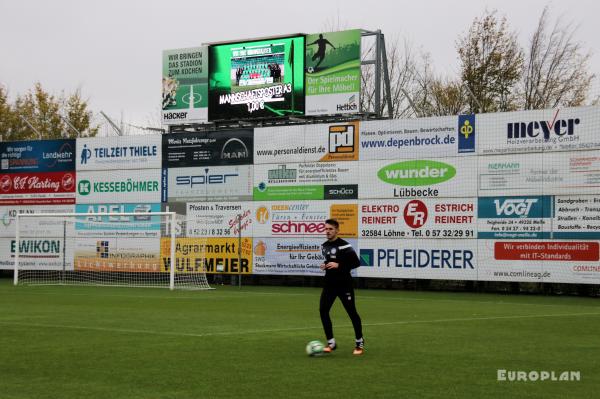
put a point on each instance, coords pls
(256, 79)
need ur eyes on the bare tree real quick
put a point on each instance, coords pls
(556, 72)
(491, 64)
(403, 64)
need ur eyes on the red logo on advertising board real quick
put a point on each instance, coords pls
(5, 183)
(38, 183)
(415, 214)
(68, 182)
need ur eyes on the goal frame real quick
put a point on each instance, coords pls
(172, 221)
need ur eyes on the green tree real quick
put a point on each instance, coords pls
(38, 114)
(6, 113)
(78, 116)
(491, 64)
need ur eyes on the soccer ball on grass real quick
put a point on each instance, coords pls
(314, 348)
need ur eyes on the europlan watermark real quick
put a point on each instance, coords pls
(537, 375)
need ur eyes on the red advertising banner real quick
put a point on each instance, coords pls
(547, 251)
(37, 188)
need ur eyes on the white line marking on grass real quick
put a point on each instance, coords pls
(275, 330)
(232, 294)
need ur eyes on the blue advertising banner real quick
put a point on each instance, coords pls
(37, 156)
(515, 216)
(118, 223)
(466, 133)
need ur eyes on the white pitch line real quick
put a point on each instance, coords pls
(275, 330)
(232, 294)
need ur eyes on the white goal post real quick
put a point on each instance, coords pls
(133, 249)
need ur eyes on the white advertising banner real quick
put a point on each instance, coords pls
(560, 129)
(290, 256)
(304, 219)
(39, 253)
(219, 219)
(553, 261)
(446, 136)
(306, 181)
(307, 143)
(33, 227)
(122, 186)
(421, 178)
(414, 218)
(123, 152)
(215, 183)
(422, 258)
(576, 217)
(540, 173)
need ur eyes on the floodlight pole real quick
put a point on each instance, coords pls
(69, 124)
(31, 126)
(114, 126)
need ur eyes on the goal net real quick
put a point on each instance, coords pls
(135, 249)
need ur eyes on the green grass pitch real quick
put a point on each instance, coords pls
(93, 342)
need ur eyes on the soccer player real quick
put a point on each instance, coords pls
(340, 259)
(321, 43)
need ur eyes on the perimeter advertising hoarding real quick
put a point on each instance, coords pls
(233, 147)
(37, 156)
(446, 136)
(212, 255)
(420, 178)
(307, 143)
(576, 217)
(37, 188)
(123, 152)
(560, 129)
(306, 181)
(513, 217)
(216, 183)
(125, 226)
(540, 173)
(419, 258)
(185, 85)
(256, 79)
(290, 256)
(540, 261)
(219, 219)
(418, 218)
(33, 227)
(124, 186)
(40, 253)
(304, 219)
(116, 254)
(333, 72)
(573, 217)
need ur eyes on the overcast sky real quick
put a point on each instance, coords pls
(111, 49)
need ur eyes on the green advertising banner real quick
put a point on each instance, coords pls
(257, 79)
(185, 85)
(333, 72)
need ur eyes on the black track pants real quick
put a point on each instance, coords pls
(346, 295)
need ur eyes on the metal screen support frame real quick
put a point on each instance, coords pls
(381, 67)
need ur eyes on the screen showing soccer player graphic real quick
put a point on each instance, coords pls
(257, 79)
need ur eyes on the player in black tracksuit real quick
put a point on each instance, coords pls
(340, 259)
